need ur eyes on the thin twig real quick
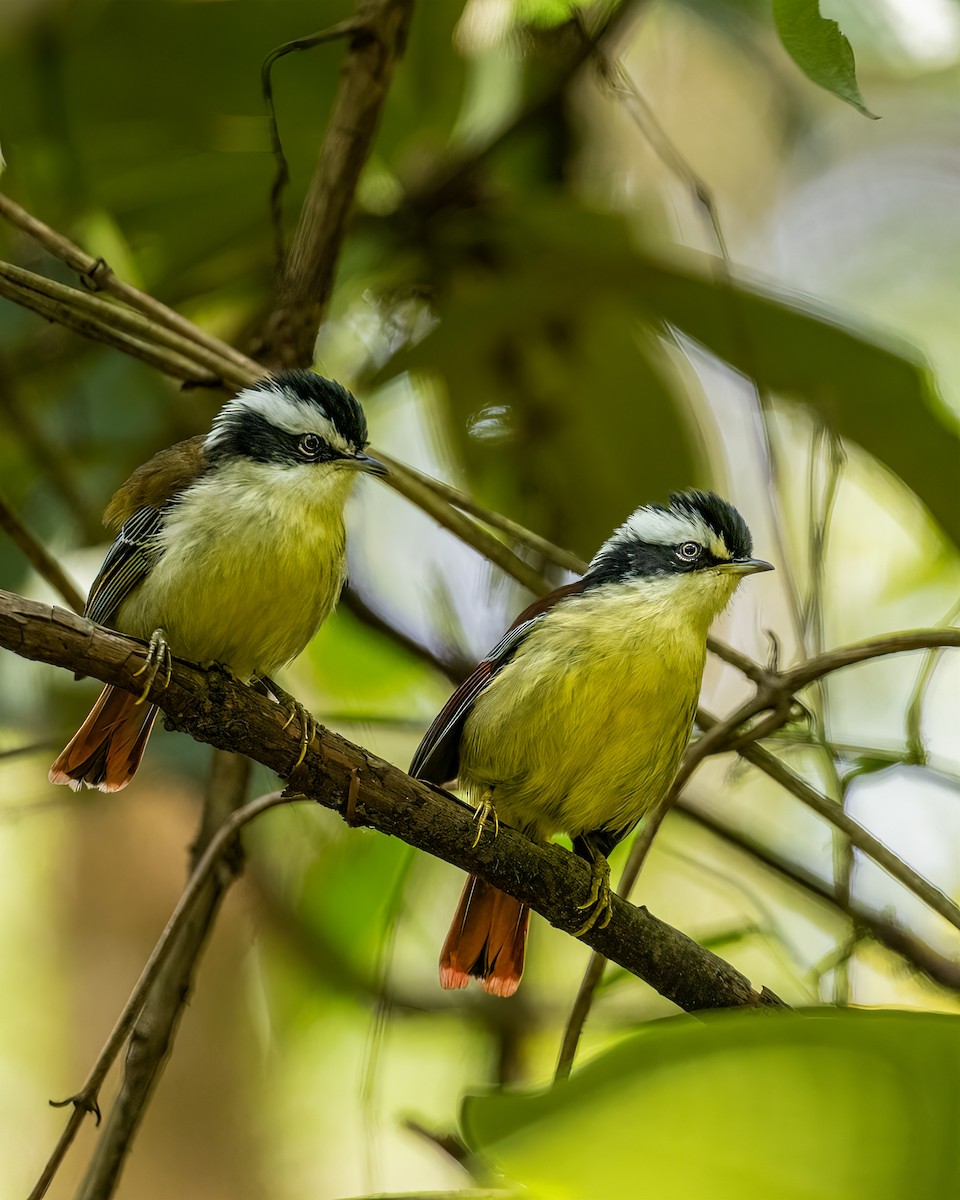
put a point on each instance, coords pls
(97, 275)
(40, 557)
(408, 484)
(862, 840)
(886, 932)
(112, 316)
(152, 1036)
(458, 499)
(85, 1100)
(342, 29)
(916, 750)
(97, 329)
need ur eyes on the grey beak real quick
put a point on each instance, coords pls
(747, 566)
(366, 462)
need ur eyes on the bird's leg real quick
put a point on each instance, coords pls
(308, 723)
(600, 898)
(485, 815)
(158, 659)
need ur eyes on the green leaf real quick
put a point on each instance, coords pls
(841, 1105)
(871, 388)
(819, 49)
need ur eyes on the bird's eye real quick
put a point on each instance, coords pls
(309, 445)
(689, 551)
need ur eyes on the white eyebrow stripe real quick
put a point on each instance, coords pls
(667, 527)
(282, 410)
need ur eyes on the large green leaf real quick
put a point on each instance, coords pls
(557, 396)
(557, 267)
(819, 49)
(871, 388)
(828, 1104)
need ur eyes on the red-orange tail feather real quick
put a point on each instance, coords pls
(106, 750)
(487, 940)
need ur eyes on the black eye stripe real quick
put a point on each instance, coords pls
(250, 435)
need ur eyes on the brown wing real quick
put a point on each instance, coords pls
(438, 756)
(159, 479)
(138, 508)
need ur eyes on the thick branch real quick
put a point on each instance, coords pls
(342, 776)
(375, 46)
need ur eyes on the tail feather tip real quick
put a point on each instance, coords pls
(501, 985)
(453, 977)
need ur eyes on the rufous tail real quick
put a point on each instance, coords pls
(106, 750)
(487, 940)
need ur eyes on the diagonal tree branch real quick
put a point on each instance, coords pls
(215, 709)
(377, 40)
(40, 557)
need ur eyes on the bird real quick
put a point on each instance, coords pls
(577, 720)
(230, 551)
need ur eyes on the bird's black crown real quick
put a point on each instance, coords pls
(331, 398)
(649, 543)
(720, 516)
(266, 422)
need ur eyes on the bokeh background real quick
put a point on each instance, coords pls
(557, 334)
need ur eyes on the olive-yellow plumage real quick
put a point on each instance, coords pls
(577, 721)
(230, 550)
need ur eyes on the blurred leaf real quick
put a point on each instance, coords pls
(557, 392)
(838, 1105)
(551, 335)
(819, 49)
(877, 392)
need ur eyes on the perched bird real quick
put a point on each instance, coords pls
(578, 718)
(230, 551)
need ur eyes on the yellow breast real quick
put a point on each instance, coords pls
(252, 561)
(585, 727)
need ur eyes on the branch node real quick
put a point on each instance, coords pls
(94, 279)
(83, 1102)
(353, 793)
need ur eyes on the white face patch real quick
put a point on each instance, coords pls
(284, 411)
(666, 527)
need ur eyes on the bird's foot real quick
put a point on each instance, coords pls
(158, 659)
(600, 899)
(485, 815)
(307, 721)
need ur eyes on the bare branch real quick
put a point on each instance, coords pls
(214, 708)
(861, 839)
(86, 1100)
(97, 275)
(24, 286)
(887, 932)
(93, 326)
(180, 948)
(411, 485)
(520, 534)
(848, 656)
(376, 42)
